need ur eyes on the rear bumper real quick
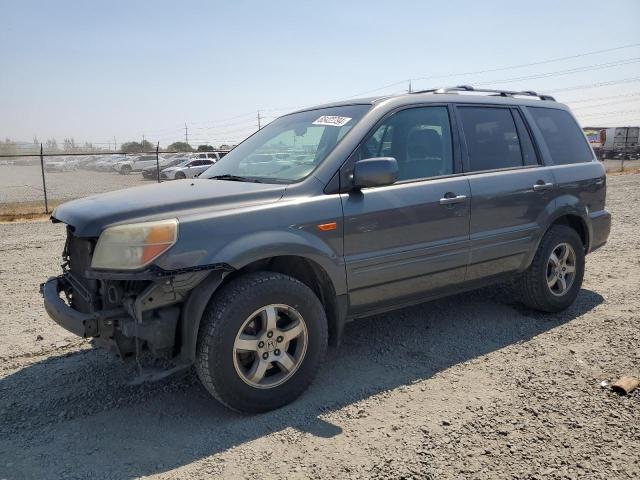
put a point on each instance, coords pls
(78, 323)
(600, 228)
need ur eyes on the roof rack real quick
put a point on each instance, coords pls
(501, 93)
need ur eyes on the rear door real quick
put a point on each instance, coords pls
(580, 178)
(511, 191)
(409, 239)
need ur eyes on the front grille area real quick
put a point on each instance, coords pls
(84, 291)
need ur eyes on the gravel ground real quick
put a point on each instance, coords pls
(473, 386)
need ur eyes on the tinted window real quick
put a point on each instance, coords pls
(563, 136)
(492, 138)
(418, 138)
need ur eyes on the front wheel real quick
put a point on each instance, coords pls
(553, 280)
(180, 176)
(261, 341)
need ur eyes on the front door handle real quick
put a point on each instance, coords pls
(539, 187)
(450, 200)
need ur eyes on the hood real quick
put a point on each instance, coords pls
(89, 216)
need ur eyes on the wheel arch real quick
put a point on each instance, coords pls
(577, 223)
(313, 275)
(303, 269)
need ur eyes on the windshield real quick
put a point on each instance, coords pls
(289, 148)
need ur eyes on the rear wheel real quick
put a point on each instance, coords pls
(125, 170)
(261, 341)
(553, 280)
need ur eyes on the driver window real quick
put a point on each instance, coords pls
(418, 138)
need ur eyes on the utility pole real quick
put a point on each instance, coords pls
(186, 133)
(142, 146)
(259, 125)
(115, 144)
(409, 85)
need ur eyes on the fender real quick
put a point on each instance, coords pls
(272, 243)
(570, 205)
(191, 314)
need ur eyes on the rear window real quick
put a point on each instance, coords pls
(564, 138)
(491, 137)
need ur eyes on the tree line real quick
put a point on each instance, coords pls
(69, 145)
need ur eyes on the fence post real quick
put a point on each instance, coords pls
(158, 161)
(44, 182)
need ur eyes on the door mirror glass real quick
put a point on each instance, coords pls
(375, 172)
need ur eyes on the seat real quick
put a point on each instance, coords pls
(423, 155)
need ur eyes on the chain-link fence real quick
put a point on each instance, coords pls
(37, 183)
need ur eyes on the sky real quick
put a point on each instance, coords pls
(103, 70)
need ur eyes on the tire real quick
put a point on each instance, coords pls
(125, 170)
(534, 286)
(224, 370)
(180, 176)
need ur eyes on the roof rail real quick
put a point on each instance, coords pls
(502, 93)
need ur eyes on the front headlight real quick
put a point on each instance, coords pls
(128, 247)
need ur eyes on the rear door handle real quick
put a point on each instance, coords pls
(539, 187)
(452, 200)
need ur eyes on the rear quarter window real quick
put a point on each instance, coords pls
(564, 138)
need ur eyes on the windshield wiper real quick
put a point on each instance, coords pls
(234, 178)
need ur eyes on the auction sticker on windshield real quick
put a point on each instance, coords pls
(332, 120)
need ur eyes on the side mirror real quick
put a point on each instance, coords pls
(375, 172)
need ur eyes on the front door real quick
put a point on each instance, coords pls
(410, 239)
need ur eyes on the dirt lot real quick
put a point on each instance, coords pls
(21, 186)
(473, 386)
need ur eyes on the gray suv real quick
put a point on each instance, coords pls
(329, 214)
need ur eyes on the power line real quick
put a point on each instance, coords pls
(605, 104)
(595, 85)
(531, 64)
(607, 114)
(594, 99)
(586, 68)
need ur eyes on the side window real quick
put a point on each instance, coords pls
(492, 138)
(418, 138)
(564, 138)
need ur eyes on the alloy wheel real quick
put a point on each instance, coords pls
(270, 346)
(561, 269)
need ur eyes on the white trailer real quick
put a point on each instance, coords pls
(618, 140)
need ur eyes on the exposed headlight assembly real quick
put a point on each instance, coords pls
(133, 246)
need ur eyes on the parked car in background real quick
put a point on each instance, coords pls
(186, 169)
(107, 162)
(150, 172)
(60, 164)
(134, 164)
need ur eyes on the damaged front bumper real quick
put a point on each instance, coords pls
(81, 324)
(158, 312)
